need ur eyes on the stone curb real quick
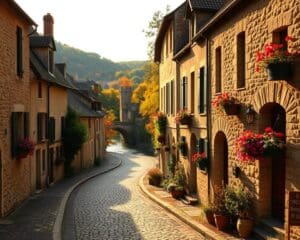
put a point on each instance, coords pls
(57, 228)
(206, 232)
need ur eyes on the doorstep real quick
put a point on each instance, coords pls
(189, 214)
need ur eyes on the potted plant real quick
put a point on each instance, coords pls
(221, 215)
(183, 117)
(24, 147)
(277, 60)
(178, 184)
(161, 122)
(201, 160)
(251, 146)
(154, 176)
(245, 221)
(227, 103)
(209, 214)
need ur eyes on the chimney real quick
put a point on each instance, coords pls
(48, 25)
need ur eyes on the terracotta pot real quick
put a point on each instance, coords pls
(244, 227)
(221, 221)
(177, 194)
(210, 218)
(280, 71)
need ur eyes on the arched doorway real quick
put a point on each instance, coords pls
(220, 162)
(192, 175)
(274, 116)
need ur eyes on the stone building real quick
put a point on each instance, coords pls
(229, 40)
(15, 27)
(85, 101)
(48, 107)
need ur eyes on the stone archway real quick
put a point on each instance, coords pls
(273, 169)
(192, 171)
(220, 163)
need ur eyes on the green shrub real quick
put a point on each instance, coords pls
(155, 176)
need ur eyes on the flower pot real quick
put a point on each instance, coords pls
(232, 108)
(210, 218)
(177, 194)
(187, 120)
(280, 71)
(221, 221)
(244, 227)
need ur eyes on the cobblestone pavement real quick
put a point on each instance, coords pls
(112, 206)
(36, 217)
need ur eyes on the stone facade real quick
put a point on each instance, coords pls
(259, 22)
(15, 97)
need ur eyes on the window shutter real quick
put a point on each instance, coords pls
(63, 125)
(19, 52)
(52, 129)
(206, 146)
(14, 133)
(26, 124)
(205, 89)
(39, 126)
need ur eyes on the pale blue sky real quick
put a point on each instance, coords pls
(112, 29)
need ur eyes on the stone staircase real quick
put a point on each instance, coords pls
(269, 229)
(189, 200)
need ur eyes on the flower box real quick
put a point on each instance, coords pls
(280, 71)
(232, 108)
(187, 120)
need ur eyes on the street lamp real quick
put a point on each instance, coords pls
(250, 114)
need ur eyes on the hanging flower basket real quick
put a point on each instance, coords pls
(183, 117)
(251, 146)
(161, 122)
(232, 108)
(226, 103)
(280, 71)
(277, 60)
(201, 161)
(24, 147)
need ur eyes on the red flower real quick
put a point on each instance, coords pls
(289, 38)
(268, 130)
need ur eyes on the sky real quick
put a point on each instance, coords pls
(113, 29)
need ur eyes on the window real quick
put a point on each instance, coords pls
(19, 52)
(172, 97)
(202, 91)
(44, 161)
(279, 37)
(192, 92)
(218, 71)
(40, 95)
(241, 67)
(168, 98)
(51, 59)
(51, 129)
(164, 100)
(184, 93)
(19, 129)
(41, 126)
(192, 26)
(202, 145)
(62, 126)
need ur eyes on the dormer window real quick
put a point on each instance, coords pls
(192, 26)
(51, 61)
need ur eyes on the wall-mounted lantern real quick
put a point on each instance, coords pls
(250, 115)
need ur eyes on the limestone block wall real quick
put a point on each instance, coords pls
(259, 20)
(15, 96)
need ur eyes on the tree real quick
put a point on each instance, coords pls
(110, 99)
(153, 28)
(108, 121)
(74, 136)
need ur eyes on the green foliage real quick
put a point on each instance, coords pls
(97, 161)
(180, 177)
(172, 164)
(110, 99)
(74, 136)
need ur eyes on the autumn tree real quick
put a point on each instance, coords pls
(108, 121)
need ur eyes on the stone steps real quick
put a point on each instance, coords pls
(269, 229)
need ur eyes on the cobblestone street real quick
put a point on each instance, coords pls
(111, 206)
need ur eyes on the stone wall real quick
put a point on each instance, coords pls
(259, 20)
(15, 96)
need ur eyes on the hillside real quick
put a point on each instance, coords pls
(83, 65)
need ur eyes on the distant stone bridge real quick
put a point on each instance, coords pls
(127, 130)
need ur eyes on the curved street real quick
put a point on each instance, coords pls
(111, 206)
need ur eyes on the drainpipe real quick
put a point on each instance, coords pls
(208, 107)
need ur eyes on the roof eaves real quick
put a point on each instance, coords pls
(224, 10)
(21, 12)
(183, 51)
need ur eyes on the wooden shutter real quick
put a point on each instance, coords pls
(52, 129)
(19, 52)
(62, 125)
(26, 124)
(14, 133)
(39, 126)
